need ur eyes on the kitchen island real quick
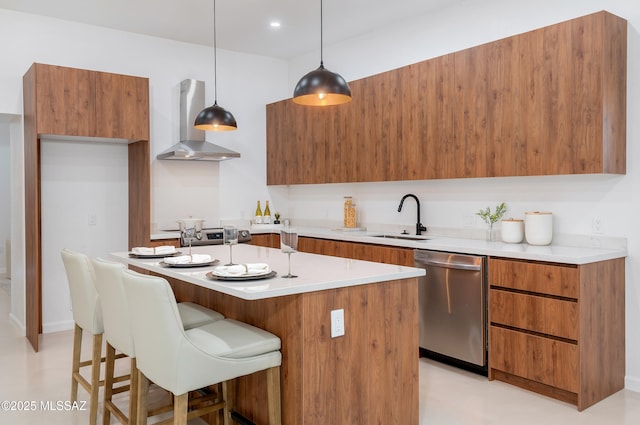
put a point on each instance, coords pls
(369, 375)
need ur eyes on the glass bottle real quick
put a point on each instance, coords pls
(350, 219)
(351, 216)
(266, 217)
(348, 201)
(258, 219)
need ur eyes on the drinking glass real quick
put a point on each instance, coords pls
(289, 245)
(230, 237)
(187, 235)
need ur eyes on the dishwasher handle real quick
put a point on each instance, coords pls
(450, 265)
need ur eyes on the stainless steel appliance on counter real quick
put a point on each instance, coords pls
(453, 308)
(212, 236)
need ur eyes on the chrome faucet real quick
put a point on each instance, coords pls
(419, 227)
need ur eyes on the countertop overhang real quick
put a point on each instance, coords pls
(315, 272)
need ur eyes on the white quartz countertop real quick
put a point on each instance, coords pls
(165, 234)
(550, 253)
(315, 272)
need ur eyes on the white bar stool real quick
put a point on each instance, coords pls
(87, 316)
(180, 360)
(117, 332)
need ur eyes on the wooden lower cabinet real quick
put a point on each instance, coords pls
(558, 329)
(163, 242)
(269, 240)
(354, 250)
(358, 251)
(540, 359)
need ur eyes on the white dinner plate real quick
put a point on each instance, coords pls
(223, 271)
(237, 277)
(187, 265)
(143, 256)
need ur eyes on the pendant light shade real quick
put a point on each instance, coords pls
(321, 87)
(215, 118)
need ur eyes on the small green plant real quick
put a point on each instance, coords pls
(490, 218)
(277, 215)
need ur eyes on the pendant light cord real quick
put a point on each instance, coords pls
(215, 58)
(321, 41)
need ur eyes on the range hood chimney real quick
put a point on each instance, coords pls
(193, 146)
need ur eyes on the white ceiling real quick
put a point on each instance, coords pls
(242, 25)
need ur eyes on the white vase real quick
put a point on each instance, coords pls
(538, 227)
(512, 230)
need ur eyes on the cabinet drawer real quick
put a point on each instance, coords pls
(539, 314)
(539, 359)
(559, 280)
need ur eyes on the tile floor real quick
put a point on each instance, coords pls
(448, 396)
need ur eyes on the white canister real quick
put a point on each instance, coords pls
(512, 230)
(538, 227)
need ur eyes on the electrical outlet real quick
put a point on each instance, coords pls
(93, 219)
(337, 323)
(597, 226)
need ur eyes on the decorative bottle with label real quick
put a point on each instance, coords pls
(349, 213)
(258, 219)
(266, 217)
(348, 200)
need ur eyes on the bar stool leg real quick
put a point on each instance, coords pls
(95, 378)
(180, 409)
(228, 395)
(75, 363)
(133, 393)
(273, 396)
(142, 398)
(110, 359)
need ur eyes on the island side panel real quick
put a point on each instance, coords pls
(368, 376)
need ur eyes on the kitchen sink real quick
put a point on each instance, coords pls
(416, 238)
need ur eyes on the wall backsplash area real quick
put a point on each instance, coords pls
(450, 205)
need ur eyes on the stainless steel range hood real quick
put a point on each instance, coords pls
(193, 146)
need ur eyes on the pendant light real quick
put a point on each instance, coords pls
(321, 87)
(215, 118)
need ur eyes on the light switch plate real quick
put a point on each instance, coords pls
(337, 323)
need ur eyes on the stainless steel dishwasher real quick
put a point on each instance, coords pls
(453, 308)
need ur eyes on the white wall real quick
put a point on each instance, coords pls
(5, 192)
(16, 132)
(574, 200)
(79, 181)
(212, 191)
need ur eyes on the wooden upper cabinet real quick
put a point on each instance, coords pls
(122, 106)
(64, 100)
(547, 102)
(503, 93)
(599, 123)
(77, 102)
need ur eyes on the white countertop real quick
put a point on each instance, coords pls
(165, 234)
(315, 272)
(550, 253)
(553, 253)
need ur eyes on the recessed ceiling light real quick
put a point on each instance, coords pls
(274, 24)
